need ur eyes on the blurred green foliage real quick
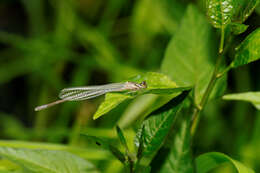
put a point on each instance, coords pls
(47, 45)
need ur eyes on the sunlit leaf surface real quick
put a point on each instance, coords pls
(208, 161)
(45, 161)
(252, 97)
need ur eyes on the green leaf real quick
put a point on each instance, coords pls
(238, 28)
(139, 142)
(106, 145)
(156, 127)
(86, 153)
(179, 159)
(138, 108)
(252, 97)
(208, 161)
(249, 50)
(45, 161)
(9, 167)
(111, 101)
(121, 137)
(189, 55)
(244, 9)
(220, 12)
(143, 106)
(157, 83)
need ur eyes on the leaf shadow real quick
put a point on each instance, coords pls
(172, 103)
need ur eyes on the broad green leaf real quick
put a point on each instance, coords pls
(113, 166)
(8, 166)
(157, 83)
(150, 20)
(238, 28)
(86, 153)
(252, 97)
(45, 161)
(220, 12)
(190, 54)
(249, 50)
(244, 9)
(208, 161)
(179, 159)
(111, 101)
(106, 145)
(156, 127)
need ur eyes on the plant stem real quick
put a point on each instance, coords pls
(215, 76)
(220, 74)
(222, 39)
(196, 113)
(229, 41)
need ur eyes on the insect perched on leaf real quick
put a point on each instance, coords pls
(88, 92)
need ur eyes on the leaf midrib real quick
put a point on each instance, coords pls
(159, 127)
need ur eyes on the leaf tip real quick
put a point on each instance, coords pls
(96, 116)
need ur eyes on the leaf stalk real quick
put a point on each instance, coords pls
(222, 39)
(215, 76)
(196, 113)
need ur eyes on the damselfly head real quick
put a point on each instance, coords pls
(135, 86)
(143, 85)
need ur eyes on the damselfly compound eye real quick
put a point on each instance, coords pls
(143, 84)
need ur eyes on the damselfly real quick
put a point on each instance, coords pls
(88, 92)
